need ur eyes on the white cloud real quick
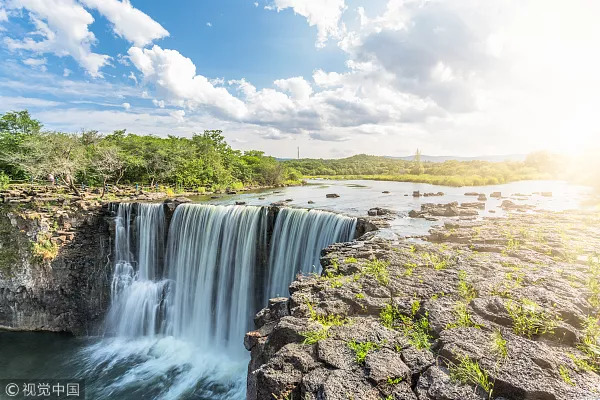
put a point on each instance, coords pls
(132, 77)
(129, 22)
(209, 24)
(175, 78)
(3, 15)
(66, 72)
(324, 14)
(158, 103)
(178, 115)
(63, 27)
(256, 4)
(126, 106)
(35, 62)
(297, 87)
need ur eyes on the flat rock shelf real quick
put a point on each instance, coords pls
(503, 308)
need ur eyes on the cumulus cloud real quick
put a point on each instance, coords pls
(3, 15)
(297, 87)
(175, 78)
(324, 14)
(63, 27)
(66, 72)
(129, 22)
(126, 106)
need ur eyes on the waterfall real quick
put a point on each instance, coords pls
(211, 257)
(180, 309)
(136, 297)
(298, 237)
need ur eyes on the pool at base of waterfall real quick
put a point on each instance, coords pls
(124, 369)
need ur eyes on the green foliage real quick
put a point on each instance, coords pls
(361, 350)
(468, 372)
(4, 180)
(378, 269)
(326, 322)
(394, 381)
(350, 260)
(449, 173)
(529, 319)
(499, 344)
(462, 317)
(416, 330)
(465, 290)
(564, 374)
(44, 249)
(312, 337)
(203, 161)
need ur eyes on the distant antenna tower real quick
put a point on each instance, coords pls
(298, 152)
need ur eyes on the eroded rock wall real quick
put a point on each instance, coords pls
(54, 269)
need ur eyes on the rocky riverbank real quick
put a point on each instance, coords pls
(503, 308)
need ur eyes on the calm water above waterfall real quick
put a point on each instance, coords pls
(184, 291)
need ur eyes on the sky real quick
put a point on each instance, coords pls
(331, 77)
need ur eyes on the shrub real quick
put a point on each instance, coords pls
(4, 180)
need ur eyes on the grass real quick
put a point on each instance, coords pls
(378, 269)
(416, 330)
(361, 350)
(326, 322)
(564, 374)
(499, 345)
(443, 180)
(44, 249)
(468, 372)
(465, 290)
(435, 261)
(529, 319)
(350, 260)
(462, 317)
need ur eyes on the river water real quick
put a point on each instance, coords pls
(175, 331)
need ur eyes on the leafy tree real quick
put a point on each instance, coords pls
(106, 161)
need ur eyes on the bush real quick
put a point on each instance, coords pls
(4, 180)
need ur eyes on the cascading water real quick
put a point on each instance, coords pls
(179, 312)
(136, 298)
(298, 238)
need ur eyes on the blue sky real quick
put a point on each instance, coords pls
(334, 77)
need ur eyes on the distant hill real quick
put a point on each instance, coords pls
(498, 158)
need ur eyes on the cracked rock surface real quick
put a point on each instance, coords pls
(502, 308)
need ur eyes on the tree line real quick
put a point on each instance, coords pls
(450, 173)
(204, 162)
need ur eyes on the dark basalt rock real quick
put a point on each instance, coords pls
(477, 257)
(332, 195)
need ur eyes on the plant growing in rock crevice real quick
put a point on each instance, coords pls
(468, 372)
(378, 269)
(362, 349)
(529, 319)
(326, 322)
(416, 330)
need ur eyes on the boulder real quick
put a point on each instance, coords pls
(496, 194)
(386, 192)
(311, 202)
(416, 193)
(240, 203)
(482, 197)
(332, 195)
(471, 194)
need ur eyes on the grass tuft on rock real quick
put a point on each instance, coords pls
(468, 372)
